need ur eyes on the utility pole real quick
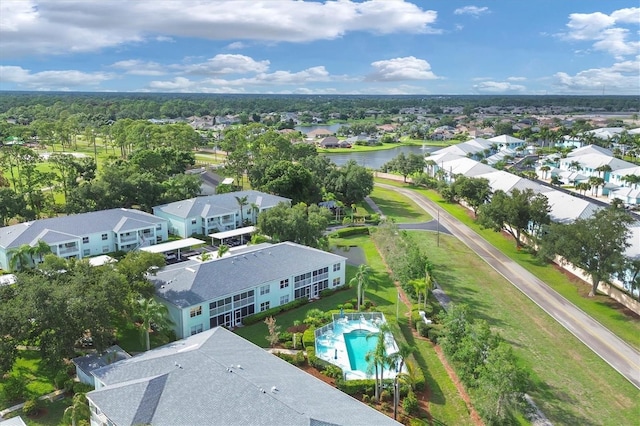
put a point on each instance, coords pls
(438, 230)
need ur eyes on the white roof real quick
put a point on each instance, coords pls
(173, 245)
(233, 233)
(227, 181)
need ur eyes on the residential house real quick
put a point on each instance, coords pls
(223, 291)
(217, 377)
(86, 234)
(362, 139)
(319, 133)
(215, 213)
(332, 142)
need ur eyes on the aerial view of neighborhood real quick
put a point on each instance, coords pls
(354, 212)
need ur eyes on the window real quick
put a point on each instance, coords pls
(105, 237)
(159, 227)
(284, 283)
(194, 312)
(284, 299)
(264, 289)
(196, 329)
(194, 221)
(105, 249)
(336, 267)
(336, 282)
(86, 252)
(85, 240)
(264, 306)
(158, 239)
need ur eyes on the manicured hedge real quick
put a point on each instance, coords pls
(260, 316)
(347, 232)
(309, 337)
(352, 387)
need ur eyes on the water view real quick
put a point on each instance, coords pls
(375, 159)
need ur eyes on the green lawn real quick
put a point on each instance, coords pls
(446, 405)
(571, 384)
(51, 413)
(39, 379)
(397, 207)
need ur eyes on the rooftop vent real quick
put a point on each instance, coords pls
(274, 389)
(190, 270)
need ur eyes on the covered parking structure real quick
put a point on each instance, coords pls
(172, 249)
(223, 236)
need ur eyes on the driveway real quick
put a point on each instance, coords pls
(613, 350)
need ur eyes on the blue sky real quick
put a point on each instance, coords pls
(322, 47)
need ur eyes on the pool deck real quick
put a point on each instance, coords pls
(331, 346)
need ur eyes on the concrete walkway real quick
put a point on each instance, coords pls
(613, 350)
(53, 396)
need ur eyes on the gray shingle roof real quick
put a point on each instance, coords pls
(217, 377)
(65, 228)
(220, 204)
(197, 283)
(94, 361)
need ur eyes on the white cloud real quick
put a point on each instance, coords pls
(51, 80)
(498, 87)
(239, 85)
(81, 26)
(138, 67)
(227, 64)
(621, 78)
(604, 30)
(236, 45)
(474, 11)
(399, 69)
(516, 78)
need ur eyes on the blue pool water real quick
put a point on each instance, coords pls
(358, 346)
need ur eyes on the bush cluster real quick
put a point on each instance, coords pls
(260, 316)
(348, 232)
(353, 387)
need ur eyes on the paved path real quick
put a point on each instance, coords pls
(613, 350)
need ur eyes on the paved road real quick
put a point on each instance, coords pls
(613, 350)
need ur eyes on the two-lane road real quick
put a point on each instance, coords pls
(613, 350)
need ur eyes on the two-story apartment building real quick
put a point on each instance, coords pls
(222, 292)
(219, 378)
(86, 234)
(215, 213)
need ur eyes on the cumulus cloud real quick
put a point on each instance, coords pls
(399, 69)
(474, 11)
(604, 30)
(516, 78)
(236, 45)
(498, 87)
(621, 78)
(81, 26)
(138, 67)
(227, 64)
(51, 80)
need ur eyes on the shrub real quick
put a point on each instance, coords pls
(347, 232)
(410, 404)
(30, 407)
(287, 345)
(81, 387)
(366, 398)
(309, 337)
(353, 387)
(434, 334)
(61, 379)
(15, 387)
(347, 306)
(327, 292)
(423, 329)
(385, 395)
(261, 316)
(285, 336)
(298, 358)
(334, 372)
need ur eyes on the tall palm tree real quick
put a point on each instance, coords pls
(41, 249)
(398, 360)
(378, 356)
(361, 279)
(544, 169)
(602, 170)
(255, 209)
(21, 257)
(242, 201)
(632, 180)
(420, 287)
(150, 311)
(79, 409)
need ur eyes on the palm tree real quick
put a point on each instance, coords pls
(222, 250)
(632, 180)
(378, 358)
(575, 165)
(420, 287)
(79, 409)
(41, 249)
(255, 209)
(397, 359)
(242, 201)
(21, 257)
(603, 169)
(151, 312)
(544, 169)
(362, 280)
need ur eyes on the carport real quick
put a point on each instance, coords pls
(240, 232)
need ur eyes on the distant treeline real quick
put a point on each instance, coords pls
(100, 108)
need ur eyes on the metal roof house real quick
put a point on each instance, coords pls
(223, 291)
(85, 234)
(214, 213)
(219, 378)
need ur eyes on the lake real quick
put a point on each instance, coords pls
(375, 159)
(306, 129)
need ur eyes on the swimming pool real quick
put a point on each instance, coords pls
(346, 341)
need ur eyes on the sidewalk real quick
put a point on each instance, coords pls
(53, 396)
